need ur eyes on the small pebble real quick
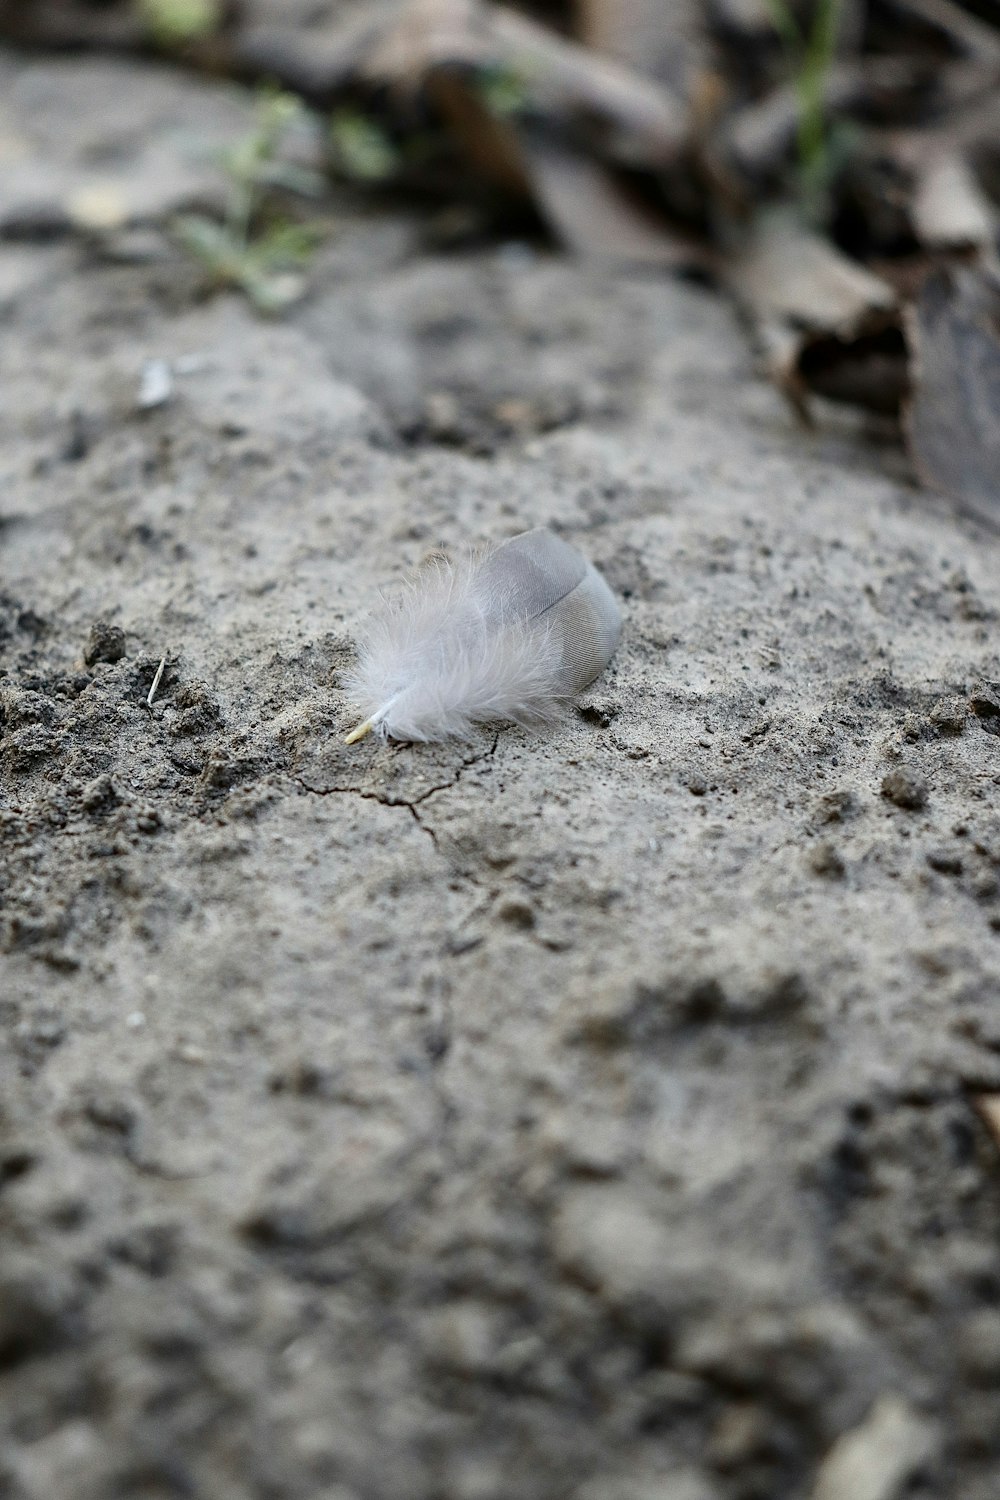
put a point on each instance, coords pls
(875, 1459)
(984, 700)
(949, 715)
(104, 643)
(517, 912)
(187, 1052)
(156, 385)
(905, 790)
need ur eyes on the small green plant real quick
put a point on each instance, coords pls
(360, 149)
(251, 246)
(503, 91)
(173, 23)
(810, 53)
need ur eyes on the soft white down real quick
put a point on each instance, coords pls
(513, 633)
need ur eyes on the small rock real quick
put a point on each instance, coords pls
(517, 912)
(188, 1052)
(600, 712)
(875, 1459)
(156, 385)
(984, 700)
(104, 643)
(220, 773)
(98, 207)
(905, 790)
(948, 715)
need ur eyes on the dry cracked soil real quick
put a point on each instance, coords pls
(587, 1116)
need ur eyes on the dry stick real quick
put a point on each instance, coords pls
(156, 682)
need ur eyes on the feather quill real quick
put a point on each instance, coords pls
(512, 633)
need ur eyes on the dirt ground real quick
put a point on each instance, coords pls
(585, 1116)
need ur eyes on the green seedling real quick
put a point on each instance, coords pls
(252, 247)
(810, 54)
(503, 91)
(360, 149)
(174, 23)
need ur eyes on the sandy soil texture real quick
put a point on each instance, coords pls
(589, 1116)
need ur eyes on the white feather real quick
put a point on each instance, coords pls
(510, 634)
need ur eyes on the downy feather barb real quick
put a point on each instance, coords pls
(511, 633)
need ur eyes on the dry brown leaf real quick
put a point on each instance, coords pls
(798, 290)
(964, 32)
(490, 145)
(666, 41)
(953, 424)
(759, 139)
(869, 370)
(594, 215)
(586, 207)
(318, 61)
(639, 121)
(427, 34)
(635, 119)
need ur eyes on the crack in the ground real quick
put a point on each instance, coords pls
(426, 827)
(411, 803)
(391, 801)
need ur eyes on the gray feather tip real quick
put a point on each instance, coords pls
(512, 633)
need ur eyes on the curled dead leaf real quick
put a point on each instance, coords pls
(799, 294)
(953, 422)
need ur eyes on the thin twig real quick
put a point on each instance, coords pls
(156, 682)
